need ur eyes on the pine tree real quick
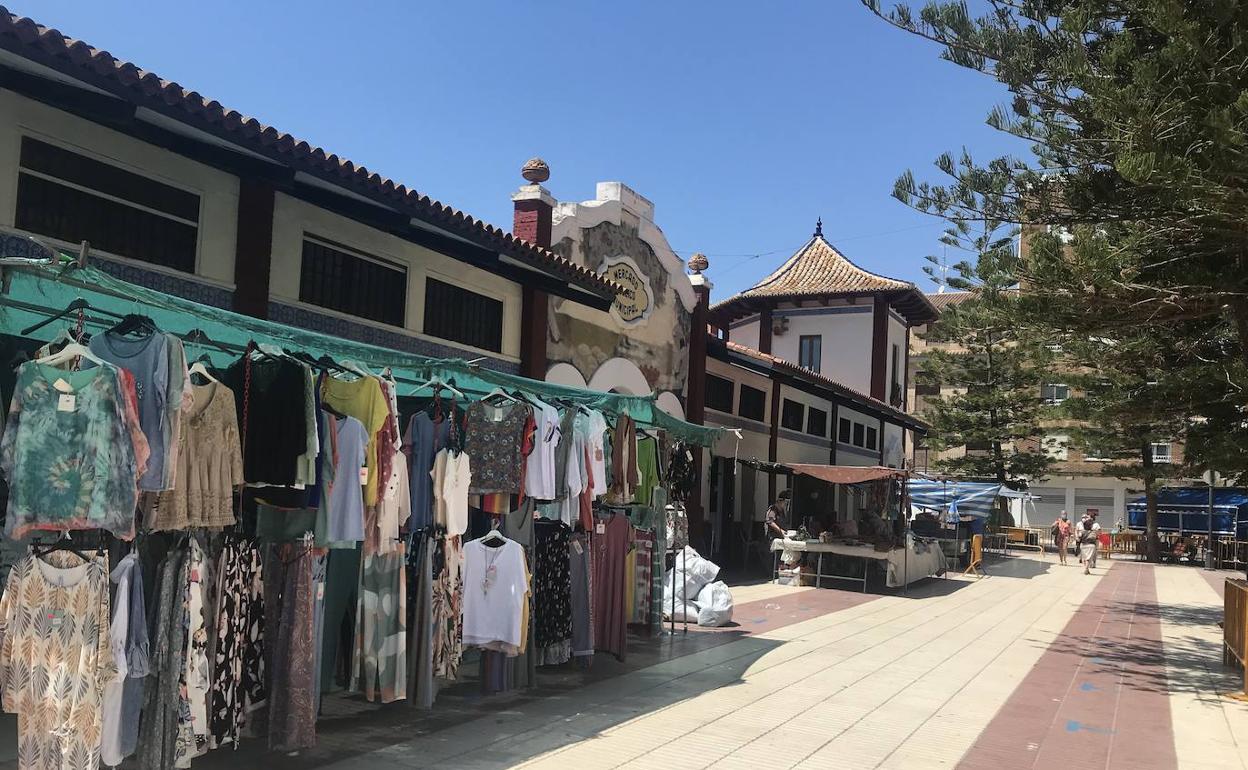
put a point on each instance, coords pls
(1138, 121)
(991, 373)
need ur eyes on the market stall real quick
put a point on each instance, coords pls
(878, 536)
(921, 558)
(295, 513)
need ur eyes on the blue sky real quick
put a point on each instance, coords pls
(742, 126)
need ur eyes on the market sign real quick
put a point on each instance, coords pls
(634, 303)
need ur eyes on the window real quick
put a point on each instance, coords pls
(718, 394)
(896, 380)
(1161, 453)
(338, 278)
(70, 197)
(860, 432)
(753, 403)
(925, 385)
(871, 438)
(456, 314)
(810, 351)
(1054, 394)
(792, 415)
(1097, 453)
(843, 430)
(817, 422)
(1055, 446)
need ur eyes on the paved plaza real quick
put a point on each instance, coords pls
(1034, 666)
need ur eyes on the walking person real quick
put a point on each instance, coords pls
(1061, 536)
(1088, 535)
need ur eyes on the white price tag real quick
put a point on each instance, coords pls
(66, 403)
(364, 475)
(320, 591)
(600, 528)
(63, 386)
(576, 546)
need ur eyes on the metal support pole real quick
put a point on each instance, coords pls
(1213, 478)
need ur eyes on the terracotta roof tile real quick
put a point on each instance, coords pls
(818, 269)
(945, 299)
(101, 69)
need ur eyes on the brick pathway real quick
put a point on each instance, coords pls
(1097, 697)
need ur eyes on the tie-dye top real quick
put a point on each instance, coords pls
(67, 453)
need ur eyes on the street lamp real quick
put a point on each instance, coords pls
(1211, 478)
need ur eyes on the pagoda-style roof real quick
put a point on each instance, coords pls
(818, 271)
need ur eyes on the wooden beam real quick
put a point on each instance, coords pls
(253, 249)
(764, 330)
(773, 442)
(879, 350)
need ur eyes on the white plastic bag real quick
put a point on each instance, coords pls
(690, 574)
(715, 605)
(684, 612)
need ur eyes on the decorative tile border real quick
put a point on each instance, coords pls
(186, 288)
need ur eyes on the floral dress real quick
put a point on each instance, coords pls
(55, 658)
(448, 616)
(67, 452)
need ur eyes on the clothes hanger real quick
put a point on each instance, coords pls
(437, 385)
(70, 351)
(199, 368)
(494, 535)
(355, 368)
(76, 305)
(64, 543)
(499, 393)
(134, 323)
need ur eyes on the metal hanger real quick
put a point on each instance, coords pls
(72, 350)
(79, 304)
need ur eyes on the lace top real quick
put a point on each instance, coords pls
(210, 465)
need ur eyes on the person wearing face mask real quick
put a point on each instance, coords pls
(1061, 536)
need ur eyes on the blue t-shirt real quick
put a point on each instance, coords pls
(147, 360)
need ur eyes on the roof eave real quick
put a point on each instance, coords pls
(99, 70)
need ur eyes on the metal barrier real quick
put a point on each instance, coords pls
(1021, 537)
(1235, 626)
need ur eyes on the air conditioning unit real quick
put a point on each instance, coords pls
(779, 326)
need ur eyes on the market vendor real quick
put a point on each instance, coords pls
(776, 521)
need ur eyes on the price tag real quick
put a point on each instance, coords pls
(364, 475)
(63, 386)
(320, 591)
(55, 619)
(576, 546)
(600, 528)
(66, 403)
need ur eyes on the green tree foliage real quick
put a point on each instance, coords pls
(1136, 112)
(989, 374)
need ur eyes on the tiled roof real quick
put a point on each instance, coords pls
(819, 379)
(819, 270)
(945, 299)
(98, 68)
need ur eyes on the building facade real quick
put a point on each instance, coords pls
(810, 366)
(640, 344)
(176, 192)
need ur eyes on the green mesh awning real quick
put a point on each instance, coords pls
(32, 292)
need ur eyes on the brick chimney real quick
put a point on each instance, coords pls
(532, 221)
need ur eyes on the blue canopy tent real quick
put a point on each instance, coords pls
(973, 498)
(1186, 510)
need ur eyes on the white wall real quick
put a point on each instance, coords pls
(293, 217)
(896, 336)
(217, 191)
(846, 331)
(847, 454)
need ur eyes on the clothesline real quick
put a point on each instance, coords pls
(35, 290)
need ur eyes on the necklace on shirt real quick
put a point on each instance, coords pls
(491, 571)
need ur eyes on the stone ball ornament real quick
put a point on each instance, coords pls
(535, 171)
(698, 263)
